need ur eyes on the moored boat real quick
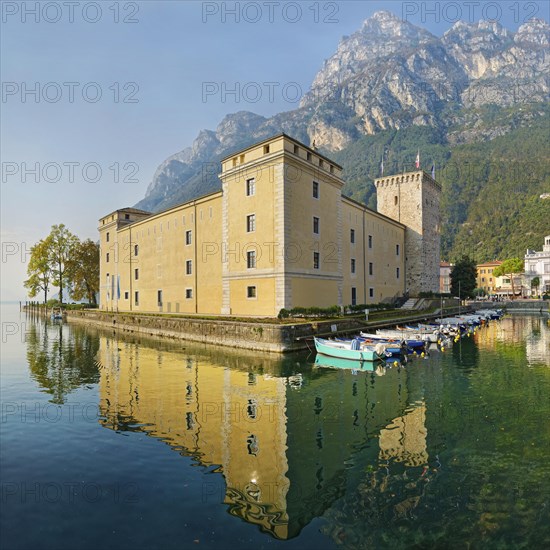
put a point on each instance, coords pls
(354, 349)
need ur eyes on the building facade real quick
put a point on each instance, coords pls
(537, 264)
(445, 269)
(413, 198)
(485, 279)
(280, 234)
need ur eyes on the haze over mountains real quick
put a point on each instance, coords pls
(476, 97)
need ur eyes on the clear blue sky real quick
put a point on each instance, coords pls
(151, 72)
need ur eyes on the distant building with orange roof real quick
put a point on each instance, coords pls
(485, 278)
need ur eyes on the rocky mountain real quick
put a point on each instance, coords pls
(474, 84)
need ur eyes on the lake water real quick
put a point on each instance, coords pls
(115, 441)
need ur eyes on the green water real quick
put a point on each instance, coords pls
(113, 441)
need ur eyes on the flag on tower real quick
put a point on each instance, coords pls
(417, 164)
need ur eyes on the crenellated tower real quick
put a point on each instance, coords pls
(413, 198)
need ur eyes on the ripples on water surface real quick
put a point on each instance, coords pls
(121, 442)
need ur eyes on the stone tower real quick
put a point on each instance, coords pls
(412, 198)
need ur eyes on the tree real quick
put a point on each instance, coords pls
(535, 283)
(509, 267)
(39, 269)
(463, 278)
(62, 244)
(84, 271)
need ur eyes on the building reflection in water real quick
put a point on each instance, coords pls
(286, 442)
(529, 333)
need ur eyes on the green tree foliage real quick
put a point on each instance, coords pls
(463, 278)
(85, 271)
(39, 270)
(509, 267)
(62, 245)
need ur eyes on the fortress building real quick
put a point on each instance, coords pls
(280, 234)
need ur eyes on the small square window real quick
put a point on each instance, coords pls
(371, 292)
(251, 292)
(296, 150)
(308, 156)
(370, 241)
(321, 163)
(126, 216)
(251, 223)
(250, 187)
(316, 225)
(315, 190)
(136, 274)
(189, 267)
(251, 259)
(353, 265)
(266, 149)
(316, 260)
(136, 298)
(126, 295)
(352, 236)
(188, 293)
(188, 237)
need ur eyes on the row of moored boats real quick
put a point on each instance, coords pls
(396, 344)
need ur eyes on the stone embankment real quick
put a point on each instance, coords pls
(252, 335)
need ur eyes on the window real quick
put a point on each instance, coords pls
(188, 237)
(266, 149)
(107, 278)
(251, 223)
(136, 274)
(353, 296)
(352, 236)
(189, 267)
(107, 237)
(296, 150)
(482, 279)
(397, 272)
(316, 225)
(107, 257)
(370, 268)
(321, 163)
(188, 293)
(371, 292)
(308, 156)
(241, 159)
(159, 298)
(136, 298)
(136, 249)
(395, 200)
(251, 292)
(370, 241)
(126, 295)
(331, 169)
(397, 250)
(126, 216)
(316, 260)
(250, 187)
(251, 259)
(315, 190)
(353, 265)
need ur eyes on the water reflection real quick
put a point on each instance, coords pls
(60, 358)
(514, 334)
(283, 440)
